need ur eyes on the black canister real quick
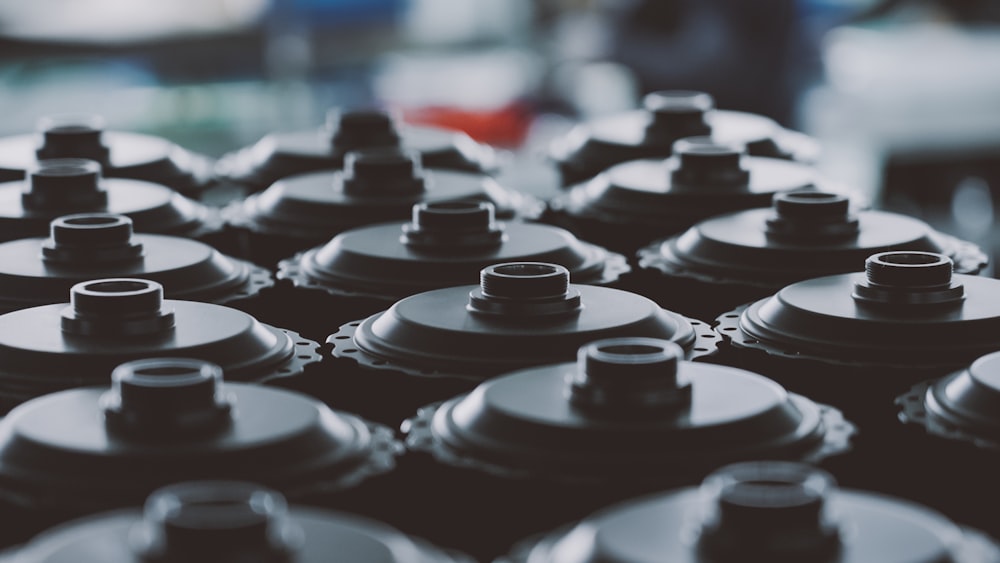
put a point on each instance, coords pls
(856, 340)
(636, 202)
(725, 261)
(87, 246)
(437, 344)
(956, 438)
(110, 321)
(629, 417)
(763, 511)
(666, 117)
(166, 420)
(280, 155)
(71, 185)
(365, 270)
(120, 154)
(376, 186)
(227, 522)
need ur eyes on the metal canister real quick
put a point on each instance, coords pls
(630, 416)
(666, 117)
(365, 270)
(857, 340)
(63, 186)
(120, 154)
(955, 420)
(437, 344)
(87, 246)
(376, 186)
(227, 522)
(762, 511)
(166, 420)
(633, 203)
(110, 321)
(729, 260)
(280, 155)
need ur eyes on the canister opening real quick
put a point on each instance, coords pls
(771, 509)
(452, 226)
(117, 307)
(89, 238)
(361, 129)
(221, 521)
(909, 278)
(64, 183)
(524, 288)
(628, 376)
(703, 162)
(166, 398)
(676, 114)
(811, 216)
(72, 136)
(383, 172)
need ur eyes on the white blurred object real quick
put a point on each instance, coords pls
(121, 21)
(597, 88)
(924, 90)
(443, 22)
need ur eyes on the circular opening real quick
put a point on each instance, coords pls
(214, 506)
(762, 493)
(630, 349)
(457, 207)
(118, 286)
(810, 197)
(678, 100)
(91, 220)
(911, 259)
(526, 270)
(771, 484)
(66, 167)
(167, 370)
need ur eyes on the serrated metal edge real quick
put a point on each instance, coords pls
(295, 365)
(728, 326)
(913, 410)
(837, 436)
(384, 448)
(340, 346)
(258, 278)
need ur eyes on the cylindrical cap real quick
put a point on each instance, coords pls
(774, 511)
(813, 215)
(628, 376)
(91, 238)
(383, 172)
(166, 398)
(64, 183)
(361, 129)
(677, 114)
(228, 522)
(72, 136)
(703, 162)
(453, 225)
(524, 288)
(908, 277)
(116, 307)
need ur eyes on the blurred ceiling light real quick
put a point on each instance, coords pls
(123, 21)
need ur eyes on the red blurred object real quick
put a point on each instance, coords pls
(506, 126)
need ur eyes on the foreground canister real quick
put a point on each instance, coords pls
(726, 261)
(857, 340)
(956, 438)
(636, 202)
(763, 511)
(166, 420)
(629, 417)
(87, 246)
(440, 343)
(666, 117)
(120, 154)
(376, 186)
(63, 186)
(110, 321)
(227, 522)
(280, 155)
(365, 270)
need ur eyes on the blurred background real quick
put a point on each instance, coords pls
(903, 95)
